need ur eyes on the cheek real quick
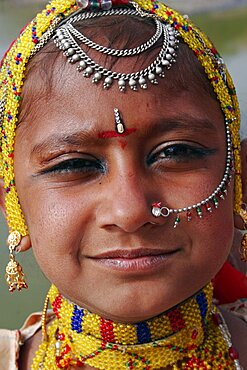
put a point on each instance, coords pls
(56, 223)
(213, 236)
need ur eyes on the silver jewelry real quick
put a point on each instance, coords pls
(119, 124)
(212, 201)
(66, 36)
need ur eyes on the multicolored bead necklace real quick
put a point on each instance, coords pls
(191, 335)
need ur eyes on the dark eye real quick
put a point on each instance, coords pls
(75, 167)
(179, 153)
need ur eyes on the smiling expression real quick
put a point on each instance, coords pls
(87, 202)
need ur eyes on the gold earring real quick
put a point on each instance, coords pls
(243, 248)
(14, 276)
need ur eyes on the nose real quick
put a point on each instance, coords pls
(126, 204)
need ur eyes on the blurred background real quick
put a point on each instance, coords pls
(225, 21)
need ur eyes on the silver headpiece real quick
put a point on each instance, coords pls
(68, 38)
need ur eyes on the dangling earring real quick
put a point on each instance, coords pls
(14, 276)
(243, 248)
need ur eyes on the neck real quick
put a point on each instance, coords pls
(189, 334)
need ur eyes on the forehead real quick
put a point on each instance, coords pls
(75, 104)
(56, 95)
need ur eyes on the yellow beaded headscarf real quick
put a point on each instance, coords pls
(34, 37)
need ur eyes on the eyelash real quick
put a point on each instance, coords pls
(180, 153)
(76, 165)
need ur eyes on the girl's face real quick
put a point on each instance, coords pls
(87, 193)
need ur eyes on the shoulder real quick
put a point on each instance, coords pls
(238, 330)
(28, 350)
(9, 349)
(32, 337)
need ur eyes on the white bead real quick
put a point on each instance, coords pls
(168, 56)
(97, 76)
(165, 63)
(132, 82)
(106, 4)
(121, 82)
(82, 4)
(89, 70)
(156, 211)
(142, 80)
(57, 345)
(108, 80)
(66, 45)
(75, 58)
(70, 51)
(158, 70)
(82, 65)
(151, 76)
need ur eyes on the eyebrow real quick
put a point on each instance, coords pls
(90, 137)
(182, 123)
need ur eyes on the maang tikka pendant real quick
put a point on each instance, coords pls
(118, 121)
(14, 276)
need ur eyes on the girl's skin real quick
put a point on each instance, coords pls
(83, 196)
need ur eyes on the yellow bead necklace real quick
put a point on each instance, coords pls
(191, 335)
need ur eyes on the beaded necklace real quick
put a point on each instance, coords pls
(191, 335)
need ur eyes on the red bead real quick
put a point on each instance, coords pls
(67, 349)
(61, 336)
(214, 51)
(156, 204)
(189, 215)
(194, 334)
(79, 363)
(217, 319)
(233, 353)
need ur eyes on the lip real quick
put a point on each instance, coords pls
(137, 260)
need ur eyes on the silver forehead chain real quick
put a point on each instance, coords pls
(67, 38)
(212, 201)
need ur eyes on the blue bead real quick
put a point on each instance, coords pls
(143, 332)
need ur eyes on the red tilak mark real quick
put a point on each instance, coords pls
(110, 134)
(122, 143)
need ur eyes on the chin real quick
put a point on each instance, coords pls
(134, 305)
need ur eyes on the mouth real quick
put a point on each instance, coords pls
(137, 260)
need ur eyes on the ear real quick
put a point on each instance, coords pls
(237, 219)
(2, 198)
(25, 244)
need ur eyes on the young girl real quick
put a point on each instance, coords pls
(122, 170)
